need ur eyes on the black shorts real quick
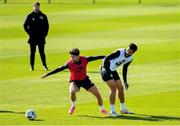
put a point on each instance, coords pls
(108, 75)
(86, 84)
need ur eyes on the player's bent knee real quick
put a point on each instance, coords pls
(97, 94)
(118, 82)
(94, 90)
(73, 91)
(73, 88)
(113, 91)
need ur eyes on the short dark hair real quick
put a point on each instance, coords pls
(36, 3)
(133, 47)
(74, 51)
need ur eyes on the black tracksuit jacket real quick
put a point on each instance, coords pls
(36, 25)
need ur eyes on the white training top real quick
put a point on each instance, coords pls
(121, 59)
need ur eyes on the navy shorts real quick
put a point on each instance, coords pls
(108, 75)
(86, 84)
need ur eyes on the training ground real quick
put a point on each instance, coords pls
(96, 29)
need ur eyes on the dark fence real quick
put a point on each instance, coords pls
(96, 1)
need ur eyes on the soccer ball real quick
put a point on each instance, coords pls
(30, 114)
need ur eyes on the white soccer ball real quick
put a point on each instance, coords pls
(30, 114)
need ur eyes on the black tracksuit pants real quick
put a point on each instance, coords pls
(41, 52)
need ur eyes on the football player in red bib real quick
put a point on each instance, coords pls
(78, 77)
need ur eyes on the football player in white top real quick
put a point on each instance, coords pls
(109, 74)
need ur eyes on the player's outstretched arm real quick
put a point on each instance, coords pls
(55, 71)
(93, 58)
(124, 71)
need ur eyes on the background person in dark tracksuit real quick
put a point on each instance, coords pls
(36, 25)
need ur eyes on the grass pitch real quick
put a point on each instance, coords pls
(154, 92)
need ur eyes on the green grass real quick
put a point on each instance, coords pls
(154, 92)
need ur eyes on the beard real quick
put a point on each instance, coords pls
(127, 55)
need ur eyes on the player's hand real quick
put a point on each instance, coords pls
(44, 76)
(126, 85)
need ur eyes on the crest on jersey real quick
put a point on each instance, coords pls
(120, 62)
(33, 19)
(41, 17)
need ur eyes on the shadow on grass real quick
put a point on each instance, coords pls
(142, 117)
(160, 117)
(13, 112)
(38, 120)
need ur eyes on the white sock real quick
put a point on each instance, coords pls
(73, 103)
(101, 107)
(123, 106)
(112, 108)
